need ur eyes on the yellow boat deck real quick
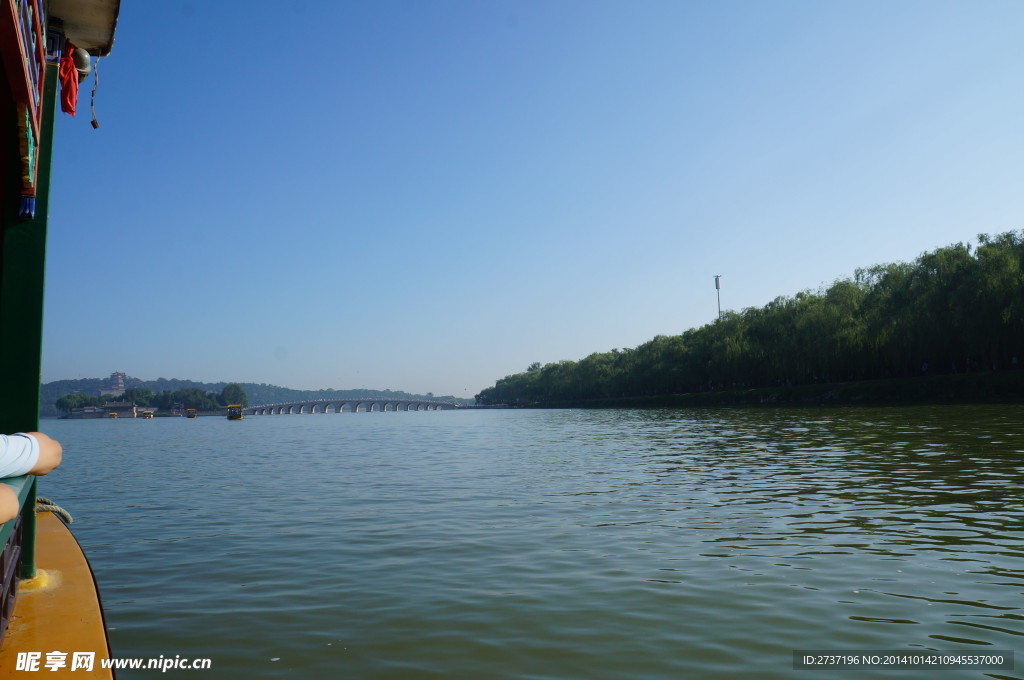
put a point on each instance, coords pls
(58, 611)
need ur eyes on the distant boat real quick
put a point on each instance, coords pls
(191, 413)
(235, 412)
(112, 415)
(147, 415)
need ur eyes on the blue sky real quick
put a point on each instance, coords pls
(429, 195)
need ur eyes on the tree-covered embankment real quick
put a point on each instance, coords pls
(198, 395)
(194, 397)
(954, 316)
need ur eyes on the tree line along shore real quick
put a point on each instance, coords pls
(162, 392)
(953, 319)
(194, 397)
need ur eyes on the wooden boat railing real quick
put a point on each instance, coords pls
(17, 546)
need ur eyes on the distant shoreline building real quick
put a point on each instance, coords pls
(85, 412)
(123, 409)
(115, 388)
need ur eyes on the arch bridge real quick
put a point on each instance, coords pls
(349, 406)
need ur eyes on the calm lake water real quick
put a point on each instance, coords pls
(618, 544)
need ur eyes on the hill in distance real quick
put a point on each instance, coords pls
(260, 393)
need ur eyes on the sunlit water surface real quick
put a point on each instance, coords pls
(552, 544)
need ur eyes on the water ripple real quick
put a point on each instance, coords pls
(551, 544)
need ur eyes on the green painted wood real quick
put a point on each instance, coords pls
(21, 487)
(22, 272)
(25, 487)
(21, 287)
(28, 531)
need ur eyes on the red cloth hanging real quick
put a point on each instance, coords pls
(68, 75)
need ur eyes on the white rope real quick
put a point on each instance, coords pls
(46, 505)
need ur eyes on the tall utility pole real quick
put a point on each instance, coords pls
(718, 291)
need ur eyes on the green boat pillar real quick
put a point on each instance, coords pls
(21, 287)
(23, 262)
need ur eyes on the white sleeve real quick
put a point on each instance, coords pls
(19, 453)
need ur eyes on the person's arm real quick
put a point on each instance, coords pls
(50, 454)
(8, 504)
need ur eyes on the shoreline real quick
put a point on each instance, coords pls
(962, 388)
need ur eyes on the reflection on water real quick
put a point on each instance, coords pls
(553, 544)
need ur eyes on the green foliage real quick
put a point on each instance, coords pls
(950, 311)
(140, 395)
(233, 393)
(69, 402)
(192, 397)
(163, 393)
